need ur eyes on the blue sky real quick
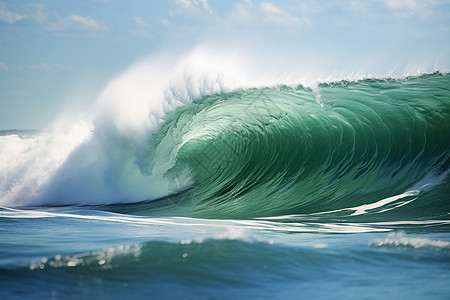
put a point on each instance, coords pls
(58, 55)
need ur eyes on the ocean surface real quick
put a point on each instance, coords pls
(338, 190)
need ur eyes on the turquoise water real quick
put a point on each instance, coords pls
(337, 191)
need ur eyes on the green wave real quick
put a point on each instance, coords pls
(292, 150)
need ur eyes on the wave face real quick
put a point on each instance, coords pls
(354, 146)
(284, 150)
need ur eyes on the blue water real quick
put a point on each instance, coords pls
(84, 253)
(340, 191)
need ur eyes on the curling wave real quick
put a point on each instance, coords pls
(283, 150)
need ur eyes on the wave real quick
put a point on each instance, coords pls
(152, 255)
(285, 150)
(400, 240)
(229, 150)
(121, 262)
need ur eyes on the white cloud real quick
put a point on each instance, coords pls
(419, 9)
(164, 22)
(400, 4)
(413, 4)
(77, 22)
(139, 21)
(307, 21)
(3, 67)
(275, 15)
(142, 28)
(194, 5)
(265, 12)
(39, 66)
(270, 8)
(36, 12)
(87, 23)
(206, 6)
(240, 13)
(186, 4)
(8, 16)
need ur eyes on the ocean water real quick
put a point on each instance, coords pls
(338, 190)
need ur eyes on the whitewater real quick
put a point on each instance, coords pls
(204, 176)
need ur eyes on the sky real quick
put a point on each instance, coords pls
(58, 56)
